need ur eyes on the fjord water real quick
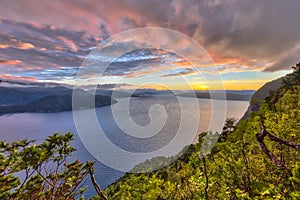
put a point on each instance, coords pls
(37, 126)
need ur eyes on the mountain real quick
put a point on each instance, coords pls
(263, 92)
(46, 99)
(25, 95)
(239, 95)
(260, 95)
(56, 103)
(152, 93)
(113, 93)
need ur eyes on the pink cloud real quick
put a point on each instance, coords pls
(9, 77)
(234, 32)
(18, 45)
(69, 43)
(10, 62)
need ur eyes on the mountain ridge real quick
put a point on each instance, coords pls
(47, 99)
(259, 96)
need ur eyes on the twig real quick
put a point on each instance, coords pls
(260, 139)
(95, 184)
(77, 184)
(285, 142)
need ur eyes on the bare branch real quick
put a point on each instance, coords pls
(283, 141)
(260, 139)
(95, 184)
(45, 179)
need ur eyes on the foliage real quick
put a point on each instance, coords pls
(237, 168)
(41, 171)
(292, 79)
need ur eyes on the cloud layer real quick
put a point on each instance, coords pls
(47, 41)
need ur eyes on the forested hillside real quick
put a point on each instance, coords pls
(258, 158)
(57, 103)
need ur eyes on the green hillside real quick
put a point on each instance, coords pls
(258, 158)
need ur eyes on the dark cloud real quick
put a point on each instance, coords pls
(263, 30)
(288, 59)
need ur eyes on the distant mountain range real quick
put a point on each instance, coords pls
(239, 95)
(25, 95)
(56, 99)
(55, 103)
(43, 99)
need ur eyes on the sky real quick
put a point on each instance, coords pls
(250, 42)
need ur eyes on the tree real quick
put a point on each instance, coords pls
(47, 174)
(292, 79)
(228, 128)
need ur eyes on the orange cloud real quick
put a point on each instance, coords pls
(19, 45)
(25, 46)
(237, 64)
(3, 46)
(9, 77)
(182, 63)
(10, 62)
(218, 59)
(69, 43)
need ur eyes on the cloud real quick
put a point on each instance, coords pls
(25, 46)
(48, 41)
(180, 72)
(19, 45)
(69, 43)
(248, 29)
(43, 52)
(8, 78)
(3, 46)
(27, 81)
(133, 64)
(289, 58)
(9, 62)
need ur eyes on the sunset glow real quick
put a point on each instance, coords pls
(44, 43)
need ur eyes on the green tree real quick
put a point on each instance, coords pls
(47, 174)
(228, 128)
(292, 79)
